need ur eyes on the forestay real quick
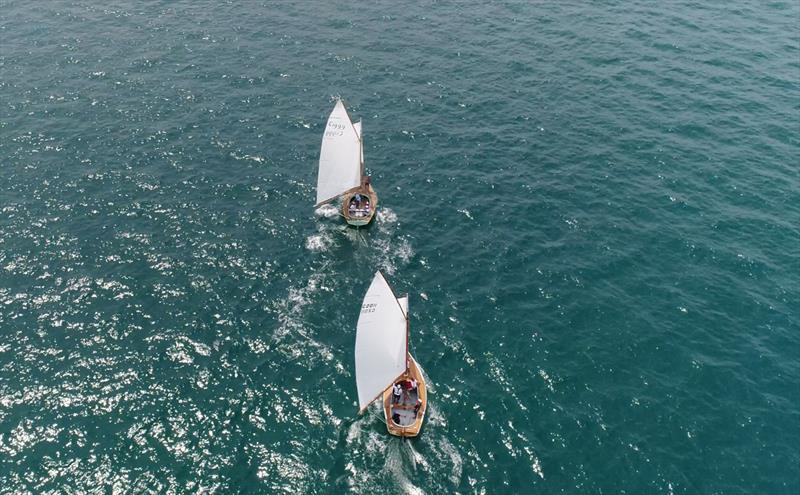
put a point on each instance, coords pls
(380, 341)
(340, 156)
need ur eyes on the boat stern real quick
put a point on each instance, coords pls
(359, 206)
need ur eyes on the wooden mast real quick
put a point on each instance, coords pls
(408, 333)
(361, 147)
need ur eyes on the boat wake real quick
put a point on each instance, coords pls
(386, 216)
(320, 242)
(293, 337)
(392, 253)
(400, 456)
(327, 211)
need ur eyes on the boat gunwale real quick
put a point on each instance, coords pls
(366, 190)
(414, 428)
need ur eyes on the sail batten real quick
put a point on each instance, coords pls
(340, 156)
(381, 345)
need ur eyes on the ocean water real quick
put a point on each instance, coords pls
(595, 209)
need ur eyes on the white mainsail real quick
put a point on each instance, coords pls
(340, 156)
(380, 341)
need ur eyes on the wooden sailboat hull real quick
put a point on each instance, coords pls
(360, 221)
(410, 430)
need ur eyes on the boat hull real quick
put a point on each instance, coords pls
(412, 429)
(355, 220)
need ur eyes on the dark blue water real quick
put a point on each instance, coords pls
(594, 208)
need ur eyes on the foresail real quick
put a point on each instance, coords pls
(404, 304)
(380, 341)
(357, 126)
(340, 156)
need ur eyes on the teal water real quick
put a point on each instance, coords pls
(594, 208)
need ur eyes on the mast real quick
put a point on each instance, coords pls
(361, 143)
(408, 355)
(358, 127)
(408, 335)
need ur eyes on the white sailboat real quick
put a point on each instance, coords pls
(341, 169)
(384, 366)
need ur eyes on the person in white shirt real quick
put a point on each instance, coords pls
(397, 390)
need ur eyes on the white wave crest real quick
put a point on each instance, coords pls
(327, 211)
(386, 215)
(319, 242)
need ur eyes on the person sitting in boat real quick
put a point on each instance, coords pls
(417, 406)
(396, 393)
(412, 385)
(355, 205)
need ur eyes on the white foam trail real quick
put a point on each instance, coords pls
(392, 253)
(394, 466)
(292, 337)
(327, 211)
(451, 451)
(386, 215)
(290, 309)
(320, 242)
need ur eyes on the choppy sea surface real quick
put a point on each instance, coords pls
(595, 209)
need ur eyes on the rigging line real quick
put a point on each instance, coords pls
(382, 420)
(360, 237)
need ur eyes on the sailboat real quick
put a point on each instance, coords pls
(341, 169)
(385, 368)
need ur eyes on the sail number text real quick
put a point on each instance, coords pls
(368, 308)
(335, 129)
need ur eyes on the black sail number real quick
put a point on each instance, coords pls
(335, 129)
